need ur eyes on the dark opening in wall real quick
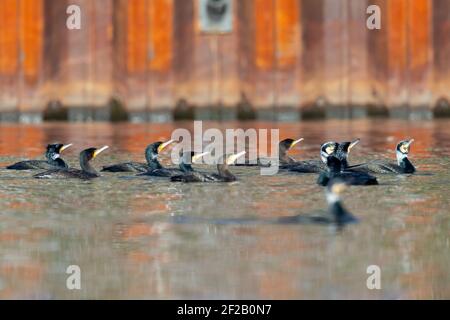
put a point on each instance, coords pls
(442, 108)
(183, 110)
(245, 109)
(117, 110)
(55, 111)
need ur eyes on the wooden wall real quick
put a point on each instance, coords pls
(312, 56)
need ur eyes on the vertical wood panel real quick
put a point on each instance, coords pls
(9, 45)
(280, 53)
(312, 59)
(378, 62)
(441, 52)
(421, 52)
(398, 78)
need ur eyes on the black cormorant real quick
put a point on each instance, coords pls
(151, 152)
(336, 169)
(403, 165)
(53, 155)
(86, 172)
(223, 175)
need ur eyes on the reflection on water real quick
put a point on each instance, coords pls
(120, 230)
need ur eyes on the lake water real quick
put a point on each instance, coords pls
(120, 229)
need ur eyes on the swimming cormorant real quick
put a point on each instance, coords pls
(336, 169)
(53, 155)
(86, 172)
(223, 175)
(151, 152)
(403, 165)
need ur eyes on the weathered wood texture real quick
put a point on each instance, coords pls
(281, 54)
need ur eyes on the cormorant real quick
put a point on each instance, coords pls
(336, 169)
(151, 152)
(339, 150)
(284, 160)
(337, 214)
(53, 155)
(86, 172)
(403, 165)
(223, 175)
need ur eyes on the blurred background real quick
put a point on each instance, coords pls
(159, 60)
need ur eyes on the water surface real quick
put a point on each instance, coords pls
(121, 231)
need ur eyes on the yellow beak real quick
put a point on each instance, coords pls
(165, 144)
(295, 142)
(98, 151)
(354, 143)
(64, 147)
(409, 142)
(199, 156)
(231, 159)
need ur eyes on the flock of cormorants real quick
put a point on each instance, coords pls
(333, 168)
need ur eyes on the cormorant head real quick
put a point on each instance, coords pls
(327, 149)
(334, 189)
(152, 150)
(333, 193)
(404, 146)
(287, 144)
(344, 148)
(54, 150)
(91, 153)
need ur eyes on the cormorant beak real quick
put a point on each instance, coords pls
(162, 146)
(64, 147)
(231, 159)
(353, 143)
(98, 151)
(295, 142)
(199, 156)
(409, 142)
(404, 147)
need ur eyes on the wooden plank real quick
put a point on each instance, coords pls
(359, 89)
(378, 59)
(9, 63)
(420, 61)
(441, 52)
(312, 58)
(288, 53)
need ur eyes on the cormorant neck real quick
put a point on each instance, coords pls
(334, 164)
(224, 172)
(284, 158)
(58, 162)
(404, 163)
(344, 163)
(185, 167)
(86, 166)
(339, 214)
(152, 159)
(55, 160)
